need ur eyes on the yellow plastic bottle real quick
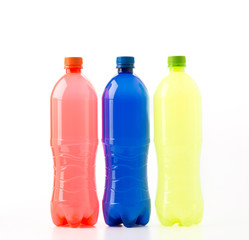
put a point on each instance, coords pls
(178, 138)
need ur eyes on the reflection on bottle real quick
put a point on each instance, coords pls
(176, 233)
(121, 233)
(66, 233)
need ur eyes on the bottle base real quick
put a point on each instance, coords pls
(71, 217)
(129, 216)
(185, 219)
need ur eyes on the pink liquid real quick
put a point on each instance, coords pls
(74, 143)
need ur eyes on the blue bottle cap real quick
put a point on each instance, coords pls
(125, 62)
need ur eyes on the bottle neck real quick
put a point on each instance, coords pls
(125, 70)
(177, 69)
(73, 70)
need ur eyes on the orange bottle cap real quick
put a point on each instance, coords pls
(73, 62)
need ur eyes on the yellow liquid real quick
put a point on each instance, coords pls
(178, 138)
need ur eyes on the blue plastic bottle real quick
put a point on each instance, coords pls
(125, 105)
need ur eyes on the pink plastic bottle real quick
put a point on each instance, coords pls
(74, 140)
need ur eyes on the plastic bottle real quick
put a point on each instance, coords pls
(74, 142)
(178, 138)
(126, 141)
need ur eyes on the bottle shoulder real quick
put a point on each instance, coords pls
(125, 85)
(73, 84)
(176, 83)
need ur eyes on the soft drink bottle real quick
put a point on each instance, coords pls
(74, 141)
(126, 142)
(178, 138)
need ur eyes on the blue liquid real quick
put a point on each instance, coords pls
(125, 105)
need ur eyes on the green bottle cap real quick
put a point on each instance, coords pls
(177, 61)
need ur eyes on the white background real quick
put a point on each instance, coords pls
(35, 38)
